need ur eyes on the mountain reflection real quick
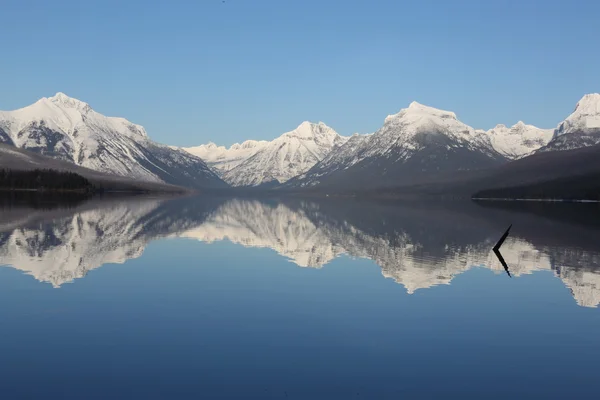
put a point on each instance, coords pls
(417, 245)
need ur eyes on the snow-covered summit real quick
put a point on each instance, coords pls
(223, 159)
(418, 140)
(417, 111)
(585, 117)
(519, 140)
(255, 162)
(67, 115)
(580, 129)
(291, 154)
(419, 118)
(62, 99)
(69, 129)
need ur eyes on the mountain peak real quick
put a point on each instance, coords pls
(589, 104)
(67, 129)
(416, 104)
(308, 130)
(308, 125)
(418, 111)
(60, 96)
(62, 99)
(584, 119)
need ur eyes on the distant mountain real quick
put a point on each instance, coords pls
(255, 163)
(580, 129)
(68, 129)
(568, 167)
(520, 140)
(224, 159)
(414, 144)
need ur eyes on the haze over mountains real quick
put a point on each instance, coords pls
(417, 145)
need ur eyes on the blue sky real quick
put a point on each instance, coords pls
(198, 71)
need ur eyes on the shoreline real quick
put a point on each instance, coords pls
(535, 200)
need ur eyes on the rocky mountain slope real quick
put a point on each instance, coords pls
(223, 159)
(520, 140)
(13, 158)
(580, 129)
(255, 163)
(416, 143)
(68, 129)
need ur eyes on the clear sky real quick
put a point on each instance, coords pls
(208, 70)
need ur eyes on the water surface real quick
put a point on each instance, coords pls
(245, 298)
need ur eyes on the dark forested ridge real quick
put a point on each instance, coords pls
(44, 179)
(583, 187)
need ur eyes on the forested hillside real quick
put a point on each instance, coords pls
(43, 179)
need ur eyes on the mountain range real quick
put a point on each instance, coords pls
(419, 145)
(255, 163)
(68, 129)
(423, 145)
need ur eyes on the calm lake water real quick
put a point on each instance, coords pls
(265, 299)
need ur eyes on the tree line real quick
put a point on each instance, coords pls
(43, 179)
(581, 187)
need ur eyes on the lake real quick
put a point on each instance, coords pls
(215, 297)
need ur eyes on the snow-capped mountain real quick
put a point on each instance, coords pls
(223, 159)
(68, 129)
(254, 163)
(581, 128)
(520, 140)
(416, 142)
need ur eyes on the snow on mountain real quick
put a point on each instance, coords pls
(417, 141)
(334, 161)
(255, 163)
(520, 140)
(68, 129)
(224, 159)
(585, 117)
(581, 128)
